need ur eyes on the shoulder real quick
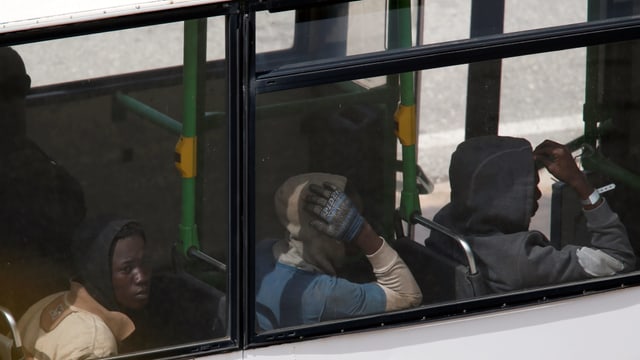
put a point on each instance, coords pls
(80, 335)
(34, 310)
(29, 323)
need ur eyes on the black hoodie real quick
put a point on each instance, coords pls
(493, 182)
(93, 249)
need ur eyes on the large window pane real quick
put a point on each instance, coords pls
(361, 27)
(486, 191)
(323, 32)
(93, 207)
(345, 132)
(61, 64)
(542, 96)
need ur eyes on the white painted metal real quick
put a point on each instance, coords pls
(599, 326)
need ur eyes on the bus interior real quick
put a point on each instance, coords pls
(189, 120)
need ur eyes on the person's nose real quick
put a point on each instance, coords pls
(141, 276)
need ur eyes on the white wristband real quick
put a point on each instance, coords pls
(592, 199)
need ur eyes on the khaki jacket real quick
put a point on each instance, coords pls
(71, 325)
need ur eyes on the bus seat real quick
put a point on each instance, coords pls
(439, 277)
(568, 223)
(192, 309)
(10, 346)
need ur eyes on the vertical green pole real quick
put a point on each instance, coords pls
(409, 201)
(592, 110)
(193, 44)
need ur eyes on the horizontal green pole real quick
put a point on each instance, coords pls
(599, 163)
(149, 113)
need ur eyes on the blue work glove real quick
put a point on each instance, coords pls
(338, 216)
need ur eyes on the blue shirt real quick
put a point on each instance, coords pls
(288, 296)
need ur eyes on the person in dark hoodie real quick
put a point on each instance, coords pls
(494, 194)
(94, 316)
(41, 203)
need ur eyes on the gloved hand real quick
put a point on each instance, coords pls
(338, 216)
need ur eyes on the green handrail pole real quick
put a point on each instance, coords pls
(409, 201)
(194, 51)
(149, 113)
(597, 162)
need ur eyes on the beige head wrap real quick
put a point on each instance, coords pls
(305, 247)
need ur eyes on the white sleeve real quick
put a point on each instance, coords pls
(610, 251)
(598, 263)
(393, 275)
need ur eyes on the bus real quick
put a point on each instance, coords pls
(187, 116)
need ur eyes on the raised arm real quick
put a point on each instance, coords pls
(610, 250)
(337, 217)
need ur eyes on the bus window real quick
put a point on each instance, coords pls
(340, 133)
(90, 163)
(274, 30)
(330, 31)
(535, 103)
(56, 68)
(500, 16)
(444, 100)
(518, 15)
(346, 129)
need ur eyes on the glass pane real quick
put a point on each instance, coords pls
(451, 20)
(93, 211)
(340, 133)
(348, 130)
(527, 15)
(324, 32)
(274, 30)
(544, 96)
(366, 26)
(62, 65)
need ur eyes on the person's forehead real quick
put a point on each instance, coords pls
(128, 246)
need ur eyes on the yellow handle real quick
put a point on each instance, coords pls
(185, 160)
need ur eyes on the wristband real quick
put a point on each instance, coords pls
(592, 199)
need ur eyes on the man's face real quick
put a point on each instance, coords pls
(130, 273)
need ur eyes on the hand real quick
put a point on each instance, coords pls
(559, 162)
(337, 215)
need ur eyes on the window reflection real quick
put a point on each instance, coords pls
(515, 199)
(325, 129)
(76, 151)
(41, 202)
(298, 281)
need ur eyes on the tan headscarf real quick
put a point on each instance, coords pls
(305, 247)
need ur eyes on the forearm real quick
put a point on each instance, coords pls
(338, 218)
(393, 275)
(610, 250)
(584, 189)
(367, 240)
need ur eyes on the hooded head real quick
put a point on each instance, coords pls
(493, 186)
(305, 247)
(14, 86)
(95, 247)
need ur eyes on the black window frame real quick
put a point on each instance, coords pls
(61, 92)
(245, 84)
